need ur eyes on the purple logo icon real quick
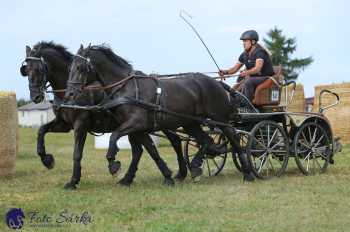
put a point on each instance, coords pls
(14, 218)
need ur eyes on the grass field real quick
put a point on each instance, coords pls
(222, 203)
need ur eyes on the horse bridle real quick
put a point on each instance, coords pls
(43, 70)
(90, 68)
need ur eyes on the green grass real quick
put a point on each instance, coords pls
(222, 203)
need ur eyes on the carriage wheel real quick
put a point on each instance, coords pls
(243, 141)
(312, 148)
(268, 150)
(212, 166)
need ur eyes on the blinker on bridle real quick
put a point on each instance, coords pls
(43, 70)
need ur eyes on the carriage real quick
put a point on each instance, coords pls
(270, 134)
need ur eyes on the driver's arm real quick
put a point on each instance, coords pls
(258, 66)
(232, 70)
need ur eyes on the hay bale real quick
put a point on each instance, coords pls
(339, 115)
(298, 102)
(9, 132)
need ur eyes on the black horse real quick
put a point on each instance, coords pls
(193, 95)
(49, 63)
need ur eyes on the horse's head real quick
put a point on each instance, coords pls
(35, 67)
(81, 74)
(95, 63)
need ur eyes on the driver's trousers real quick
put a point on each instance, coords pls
(250, 84)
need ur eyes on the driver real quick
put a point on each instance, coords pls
(257, 62)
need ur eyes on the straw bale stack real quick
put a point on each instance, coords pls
(339, 116)
(9, 132)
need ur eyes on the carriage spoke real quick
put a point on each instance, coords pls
(262, 163)
(320, 154)
(319, 140)
(256, 151)
(302, 133)
(273, 136)
(307, 146)
(314, 136)
(262, 156)
(309, 129)
(208, 166)
(308, 155)
(216, 164)
(277, 151)
(276, 144)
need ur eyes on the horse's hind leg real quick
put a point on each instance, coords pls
(147, 142)
(136, 151)
(176, 143)
(205, 141)
(153, 152)
(232, 136)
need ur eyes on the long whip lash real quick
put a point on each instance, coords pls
(182, 12)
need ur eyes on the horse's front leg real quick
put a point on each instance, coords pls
(124, 129)
(127, 127)
(55, 125)
(79, 136)
(113, 166)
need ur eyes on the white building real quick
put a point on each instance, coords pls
(35, 115)
(102, 142)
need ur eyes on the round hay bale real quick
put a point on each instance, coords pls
(9, 132)
(298, 102)
(339, 115)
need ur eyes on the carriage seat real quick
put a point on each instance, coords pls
(268, 93)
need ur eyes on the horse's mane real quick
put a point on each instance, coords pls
(111, 55)
(57, 47)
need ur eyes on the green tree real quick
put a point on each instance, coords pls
(22, 102)
(281, 49)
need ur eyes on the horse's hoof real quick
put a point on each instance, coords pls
(169, 182)
(70, 186)
(180, 177)
(248, 177)
(125, 182)
(114, 168)
(48, 161)
(196, 173)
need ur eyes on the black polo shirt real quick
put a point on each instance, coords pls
(249, 61)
